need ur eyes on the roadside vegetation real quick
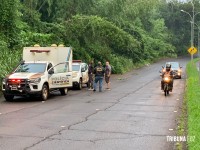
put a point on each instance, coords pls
(125, 32)
(193, 105)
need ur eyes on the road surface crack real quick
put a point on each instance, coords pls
(60, 132)
(87, 117)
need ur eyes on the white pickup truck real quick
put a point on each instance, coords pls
(79, 74)
(42, 70)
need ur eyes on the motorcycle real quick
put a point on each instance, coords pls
(167, 87)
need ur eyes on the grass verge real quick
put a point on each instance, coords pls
(182, 126)
(190, 118)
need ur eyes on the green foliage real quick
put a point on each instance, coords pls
(122, 31)
(9, 61)
(121, 64)
(193, 104)
(178, 23)
(9, 18)
(32, 38)
(118, 11)
(88, 29)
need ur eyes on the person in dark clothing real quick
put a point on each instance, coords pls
(99, 75)
(90, 75)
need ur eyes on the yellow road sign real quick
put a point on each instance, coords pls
(192, 50)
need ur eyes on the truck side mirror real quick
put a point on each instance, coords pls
(82, 69)
(51, 71)
(22, 62)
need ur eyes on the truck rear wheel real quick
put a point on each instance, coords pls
(45, 92)
(63, 91)
(8, 97)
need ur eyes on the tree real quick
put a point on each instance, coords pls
(9, 21)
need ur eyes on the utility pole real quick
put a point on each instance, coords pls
(192, 26)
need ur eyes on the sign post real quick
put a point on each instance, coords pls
(192, 50)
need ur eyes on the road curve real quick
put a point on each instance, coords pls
(134, 115)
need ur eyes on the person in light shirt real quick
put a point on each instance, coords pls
(107, 75)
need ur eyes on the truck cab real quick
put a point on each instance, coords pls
(42, 70)
(79, 74)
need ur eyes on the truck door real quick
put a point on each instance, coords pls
(84, 71)
(59, 76)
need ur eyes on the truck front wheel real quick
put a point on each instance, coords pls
(8, 97)
(45, 92)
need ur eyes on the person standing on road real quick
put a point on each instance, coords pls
(90, 75)
(99, 75)
(107, 74)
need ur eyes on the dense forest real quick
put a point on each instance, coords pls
(125, 32)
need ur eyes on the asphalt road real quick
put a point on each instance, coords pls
(134, 115)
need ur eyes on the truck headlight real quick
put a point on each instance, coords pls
(35, 81)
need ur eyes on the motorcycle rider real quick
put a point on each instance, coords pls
(168, 72)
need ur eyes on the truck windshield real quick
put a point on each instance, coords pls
(75, 67)
(31, 67)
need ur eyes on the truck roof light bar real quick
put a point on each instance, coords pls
(77, 61)
(40, 51)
